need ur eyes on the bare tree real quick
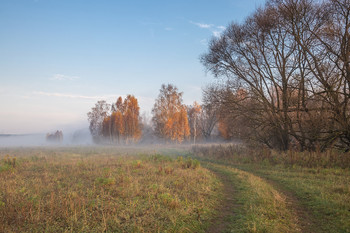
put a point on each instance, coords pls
(210, 110)
(322, 33)
(292, 59)
(96, 118)
(259, 54)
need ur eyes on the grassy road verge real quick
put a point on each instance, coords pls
(318, 197)
(325, 193)
(256, 206)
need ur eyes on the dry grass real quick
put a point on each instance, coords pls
(240, 154)
(102, 190)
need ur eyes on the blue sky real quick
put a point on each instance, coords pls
(58, 57)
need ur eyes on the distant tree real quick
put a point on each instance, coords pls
(170, 115)
(183, 126)
(55, 137)
(117, 120)
(194, 113)
(123, 124)
(117, 126)
(210, 110)
(148, 135)
(131, 116)
(106, 127)
(96, 118)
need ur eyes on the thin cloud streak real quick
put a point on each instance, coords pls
(202, 25)
(74, 96)
(62, 77)
(222, 28)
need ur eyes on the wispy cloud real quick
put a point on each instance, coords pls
(61, 77)
(217, 33)
(221, 27)
(74, 96)
(202, 25)
(218, 30)
(215, 30)
(168, 29)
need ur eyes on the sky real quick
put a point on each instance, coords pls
(59, 57)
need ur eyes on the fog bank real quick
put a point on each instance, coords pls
(78, 137)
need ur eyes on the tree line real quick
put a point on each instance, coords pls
(283, 80)
(285, 75)
(172, 121)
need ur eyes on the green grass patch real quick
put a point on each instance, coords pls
(259, 207)
(324, 192)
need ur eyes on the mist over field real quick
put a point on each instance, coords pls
(77, 137)
(9, 140)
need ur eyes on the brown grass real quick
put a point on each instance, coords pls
(240, 154)
(78, 190)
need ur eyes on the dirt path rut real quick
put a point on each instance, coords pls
(227, 207)
(226, 210)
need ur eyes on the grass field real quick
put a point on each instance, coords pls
(103, 190)
(124, 189)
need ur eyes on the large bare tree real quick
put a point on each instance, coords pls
(291, 59)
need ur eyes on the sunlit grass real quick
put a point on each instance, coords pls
(96, 190)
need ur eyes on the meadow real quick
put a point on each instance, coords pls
(103, 189)
(207, 188)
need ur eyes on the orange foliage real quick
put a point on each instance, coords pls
(170, 115)
(225, 128)
(131, 118)
(106, 126)
(183, 126)
(123, 123)
(118, 126)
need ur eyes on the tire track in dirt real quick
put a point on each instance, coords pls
(303, 217)
(227, 207)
